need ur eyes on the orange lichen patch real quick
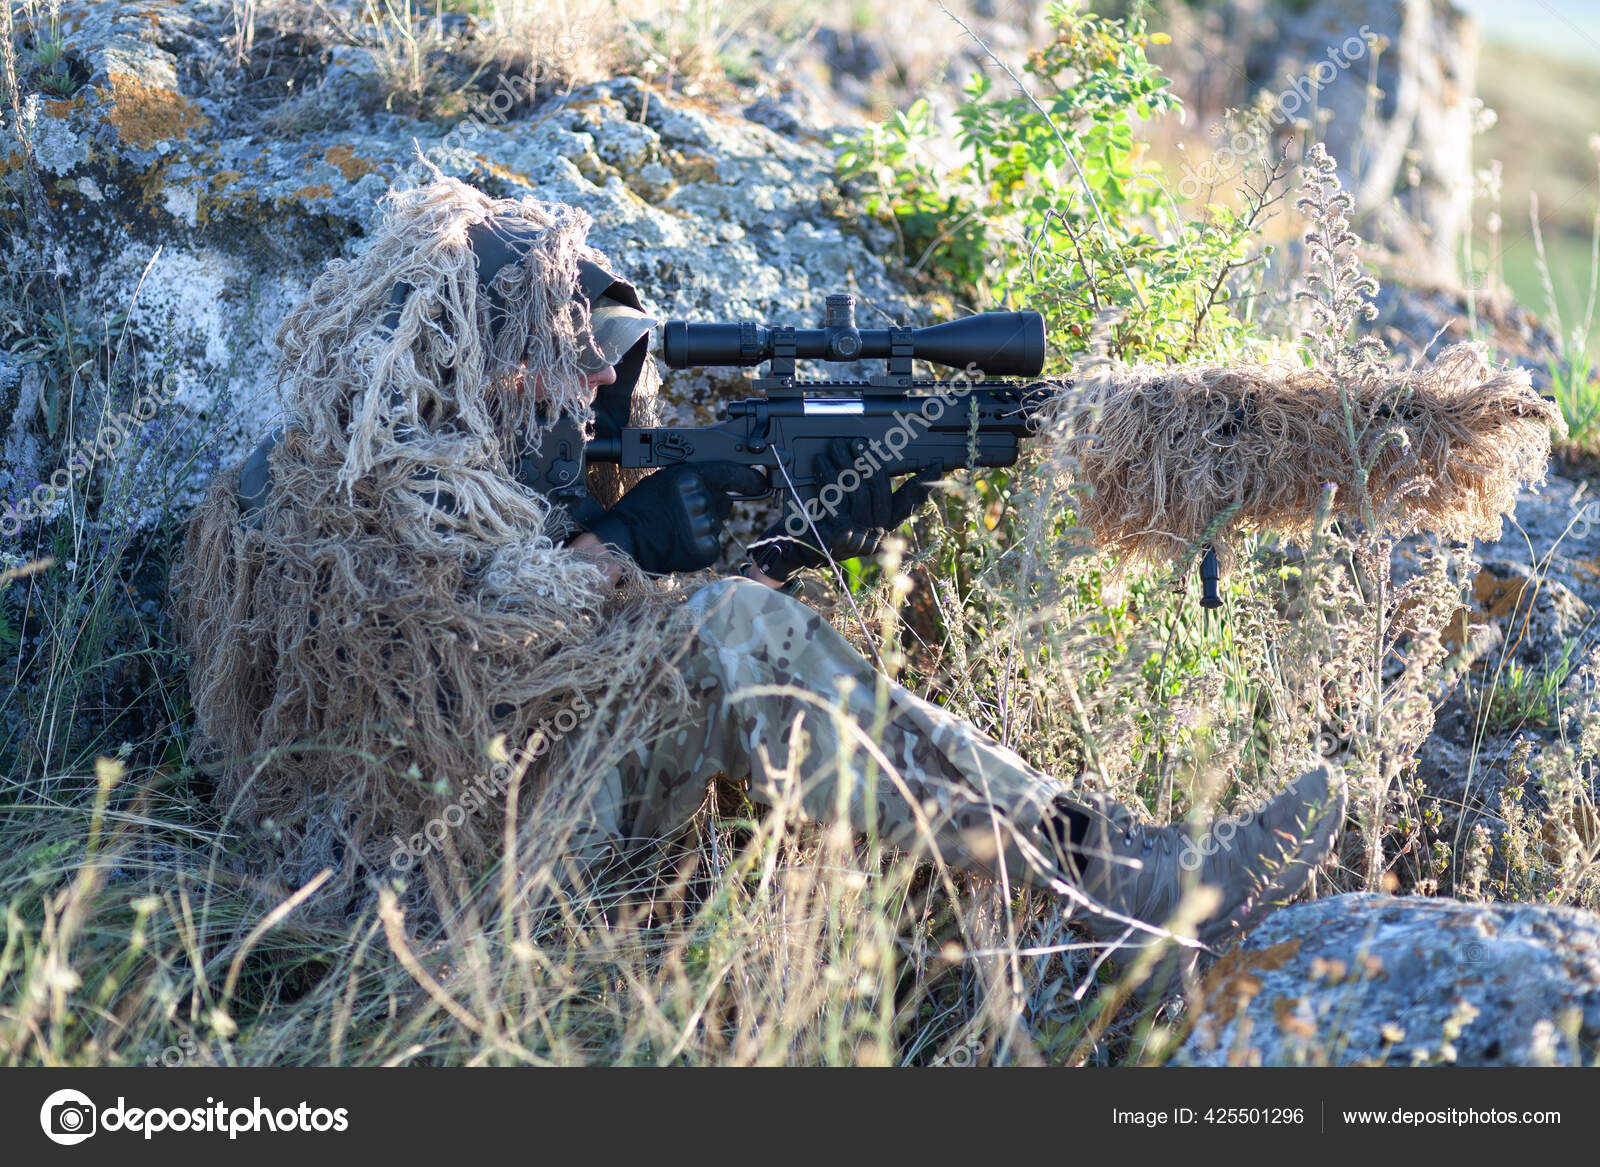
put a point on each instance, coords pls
(503, 172)
(219, 198)
(151, 182)
(145, 115)
(1498, 598)
(152, 14)
(320, 191)
(1234, 981)
(1289, 1020)
(349, 165)
(225, 178)
(1327, 970)
(12, 161)
(1580, 825)
(692, 166)
(1459, 631)
(1493, 598)
(61, 108)
(1589, 569)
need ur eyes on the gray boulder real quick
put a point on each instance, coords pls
(1375, 980)
(1539, 617)
(164, 177)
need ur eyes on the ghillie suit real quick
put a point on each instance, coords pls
(1173, 457)
(400, 600)
(391, 599)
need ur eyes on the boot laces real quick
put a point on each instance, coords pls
(1141, 836)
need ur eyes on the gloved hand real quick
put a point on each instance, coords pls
(855, 528)
(672, 520)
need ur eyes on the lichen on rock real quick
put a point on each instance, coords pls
(710, 213)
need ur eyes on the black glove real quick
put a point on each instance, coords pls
(672, 520)
(857, 525)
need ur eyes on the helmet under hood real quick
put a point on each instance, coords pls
(617, 335)
(619, 328)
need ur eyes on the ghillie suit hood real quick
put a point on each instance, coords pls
(400, 600)
(1170, 457)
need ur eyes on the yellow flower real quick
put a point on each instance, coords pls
(1160, 38)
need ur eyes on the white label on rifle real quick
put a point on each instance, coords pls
(832, 406)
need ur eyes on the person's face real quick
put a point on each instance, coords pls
(593, 381)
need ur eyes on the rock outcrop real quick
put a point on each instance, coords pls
(1365, 979)
(163, 188)
(1390, 88)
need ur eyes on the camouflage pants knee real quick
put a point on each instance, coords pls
(783, 702)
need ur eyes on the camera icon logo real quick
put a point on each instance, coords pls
(68, 1117)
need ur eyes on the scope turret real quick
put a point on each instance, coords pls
(1000, 344)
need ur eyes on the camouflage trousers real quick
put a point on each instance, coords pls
(761, 666)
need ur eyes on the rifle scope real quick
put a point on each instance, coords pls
(1005, 344)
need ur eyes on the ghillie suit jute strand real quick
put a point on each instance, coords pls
(1167, 458)
(403, 600)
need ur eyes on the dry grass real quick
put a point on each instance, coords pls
(135, 930)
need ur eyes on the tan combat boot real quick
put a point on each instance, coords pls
(1254, 861)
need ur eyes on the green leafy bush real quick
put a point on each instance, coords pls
(1055, 206)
